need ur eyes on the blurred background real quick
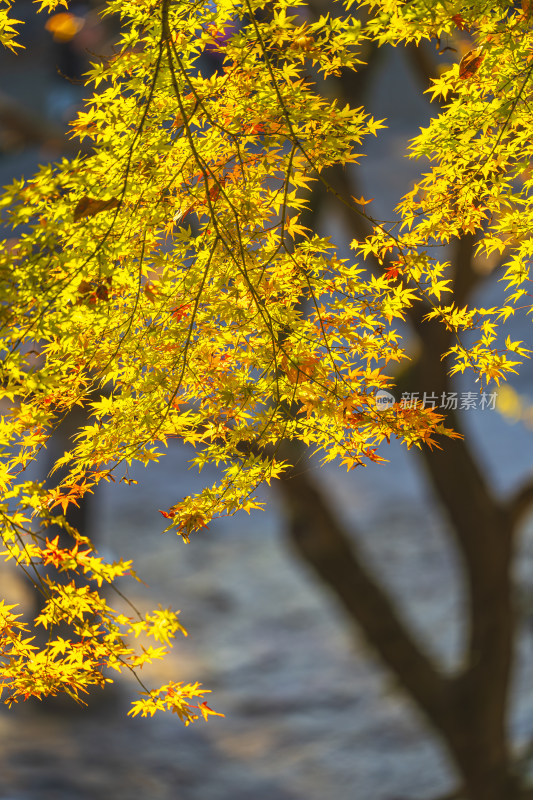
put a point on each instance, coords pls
(309, 710)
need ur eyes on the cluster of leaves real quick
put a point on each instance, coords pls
(97, 634)
(8, 27)
(165, 282)
(479, 181)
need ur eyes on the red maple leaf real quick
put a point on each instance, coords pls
(392, 272)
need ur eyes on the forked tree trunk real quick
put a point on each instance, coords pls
(468, 711)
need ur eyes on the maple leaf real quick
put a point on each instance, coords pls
(206, 711)
(361, 201)
(459, 21)
(470, 63)
(180, 312)
(91, 291)
(393, 271)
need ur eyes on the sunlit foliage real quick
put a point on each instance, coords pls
(165, 281)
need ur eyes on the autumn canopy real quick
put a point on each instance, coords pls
(164, 280)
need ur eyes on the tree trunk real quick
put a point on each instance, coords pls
(468, 711)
